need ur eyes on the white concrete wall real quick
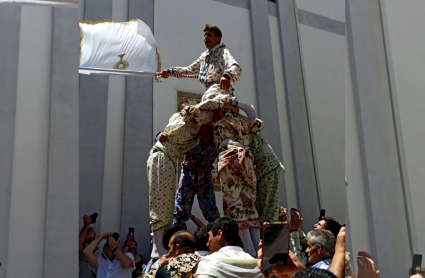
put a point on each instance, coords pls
(405, 44)
(28, 199)
(334, 9)
(291, 190)
(324, 64)
(358, 226)
(43, 193)
(323, 50)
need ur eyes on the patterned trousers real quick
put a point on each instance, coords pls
(268, 170)
(237, 176)
(189, 187)
(161, 171)
(214, 92)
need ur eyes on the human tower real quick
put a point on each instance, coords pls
(249, 171)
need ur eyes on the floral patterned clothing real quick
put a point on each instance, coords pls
(161, 170)
(237, 176)
(182, 135)
(182, 266)
(196, 180)
(235, 127)
(212, 65)
(183, 127)
(236, 169)
(267, 169)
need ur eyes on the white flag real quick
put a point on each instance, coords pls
(117, 47)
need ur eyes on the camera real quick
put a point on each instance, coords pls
(115, 236)
(93, 217)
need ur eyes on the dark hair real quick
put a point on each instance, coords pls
(185, 240)
(168, 234)
(229, 228)
(419, 270)
(332, 225)
(314, 273)
(201, 239)
(214, 28)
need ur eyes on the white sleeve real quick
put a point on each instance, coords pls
(132, 258)
(99, 259)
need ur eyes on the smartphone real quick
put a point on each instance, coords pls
(131, 232)
(322, 213)
(416, 261)
(275, 236)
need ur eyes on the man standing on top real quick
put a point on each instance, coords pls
(216, 67)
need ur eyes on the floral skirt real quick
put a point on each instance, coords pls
(238, 180)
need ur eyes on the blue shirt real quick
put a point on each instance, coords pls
(323, 264)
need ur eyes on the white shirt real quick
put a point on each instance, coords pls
(228, 262)
(202, 253)
(112, 269)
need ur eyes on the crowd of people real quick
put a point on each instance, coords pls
(249, 173)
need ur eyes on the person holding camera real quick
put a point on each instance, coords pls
(112, 262)
(86, 236)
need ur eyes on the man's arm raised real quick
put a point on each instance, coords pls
(83, 232)
(88, 252)
(337, 266)
(125, 260)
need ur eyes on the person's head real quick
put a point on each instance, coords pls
(181, 242)
(90, 236)
(212, 36)
(314, 273)
(132, 244)
(320, 246)
(168, 234)
(206, 134)
(282, 214)
(108, 252)
(420, 272)
(224, 232)
(201, 239)
(328, 223)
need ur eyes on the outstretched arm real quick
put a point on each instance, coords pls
(83, 232)
(337, 266)
(190, 69)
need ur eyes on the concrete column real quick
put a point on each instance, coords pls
(93, 103)
(137, 142)
(377, 137)
(30, 157)
(302, 151)
(62, 180)
(10, 20)
(265, 81)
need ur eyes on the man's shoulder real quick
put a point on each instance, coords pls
(323, 264)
